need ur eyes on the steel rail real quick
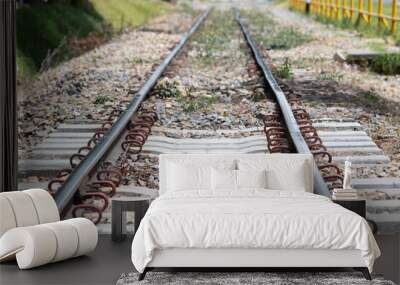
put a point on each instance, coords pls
(71, 185)
(300, 144)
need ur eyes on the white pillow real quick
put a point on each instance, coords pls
(279, 180)
(182, 177)
(251, 178)
(223, 179)
(282, 173)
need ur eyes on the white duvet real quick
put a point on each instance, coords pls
(250, 219)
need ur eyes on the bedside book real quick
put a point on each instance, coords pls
(345, 194)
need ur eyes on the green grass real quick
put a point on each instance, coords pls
(168, 88)
(267, 32)
(42, 28)
(187, 8)
(25, 64)
(101, 100)
(122, 13)
(370, 96)
(334, 76)
(194, 104)
(285, 70)
(215, 37)
(388, 64)
(361, 26)
(377, 47)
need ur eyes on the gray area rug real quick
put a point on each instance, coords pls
(269, 278)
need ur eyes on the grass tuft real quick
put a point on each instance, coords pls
(330, 76)
(101, 100)
(168, 88)
(285, 70)
(370, 96)
(215, 37)
(387, 64)
(194, 104)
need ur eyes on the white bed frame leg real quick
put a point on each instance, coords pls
(143, 274)
(364, 271)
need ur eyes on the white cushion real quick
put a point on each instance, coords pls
(223, 179)
(67, 239)
(40, 244)
(23, 208)
(251, 179)
(7, 218)
(45, 205)
(87, 235)
(26, 208)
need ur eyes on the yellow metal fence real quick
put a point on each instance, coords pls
(384, 12)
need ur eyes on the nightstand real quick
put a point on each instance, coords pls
(358, 206)
(119, 207)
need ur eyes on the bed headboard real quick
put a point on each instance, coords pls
(283, 162)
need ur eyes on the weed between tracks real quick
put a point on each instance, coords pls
(214, 40)
(213, 83)
(184, 96)
(197, 104)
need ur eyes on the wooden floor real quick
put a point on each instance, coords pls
(103, 266)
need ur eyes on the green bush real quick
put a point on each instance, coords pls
(43, 26)
(388, 64)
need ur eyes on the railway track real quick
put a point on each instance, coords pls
(96, 158)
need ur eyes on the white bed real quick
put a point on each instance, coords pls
(197, 224)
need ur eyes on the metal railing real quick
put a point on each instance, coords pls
(371, 12)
